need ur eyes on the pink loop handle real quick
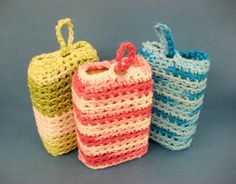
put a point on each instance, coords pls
(123, 64)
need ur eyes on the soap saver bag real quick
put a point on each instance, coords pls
(179, 84)
(112, 108)
(49, 82)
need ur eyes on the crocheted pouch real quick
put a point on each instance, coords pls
(112, 107)
(179, 84)
(49, 82)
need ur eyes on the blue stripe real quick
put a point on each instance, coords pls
(164, 99)
(175, 71)
(171, 134)
(179, 121)
(197, 110)
(183, 94)
(145, 54)
(184, 75)
(157, 78)
(193, 96)
(174, 103)
(196, 55)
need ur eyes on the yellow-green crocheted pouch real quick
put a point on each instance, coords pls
(49, 82)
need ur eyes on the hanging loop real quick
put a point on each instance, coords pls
(65, 47)
(123, 64)
(164, 34)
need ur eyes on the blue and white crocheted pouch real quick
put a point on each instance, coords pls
(179, 83)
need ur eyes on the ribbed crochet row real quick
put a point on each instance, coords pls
(179, 84)
(112, 107)
(49, 81)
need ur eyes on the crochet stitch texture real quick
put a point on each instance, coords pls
(49, 82)
(179, 84)
(112, 108)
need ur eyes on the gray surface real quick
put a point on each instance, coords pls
(27, 29)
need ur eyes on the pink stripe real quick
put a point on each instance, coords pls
(111, 159)
(95, 141)
(87, 120)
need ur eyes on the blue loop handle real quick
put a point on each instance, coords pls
(165, 37)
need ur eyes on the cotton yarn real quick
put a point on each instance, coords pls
(49, 82)
(179, 84)
(112, 108)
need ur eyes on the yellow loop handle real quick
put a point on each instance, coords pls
(65, 48)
